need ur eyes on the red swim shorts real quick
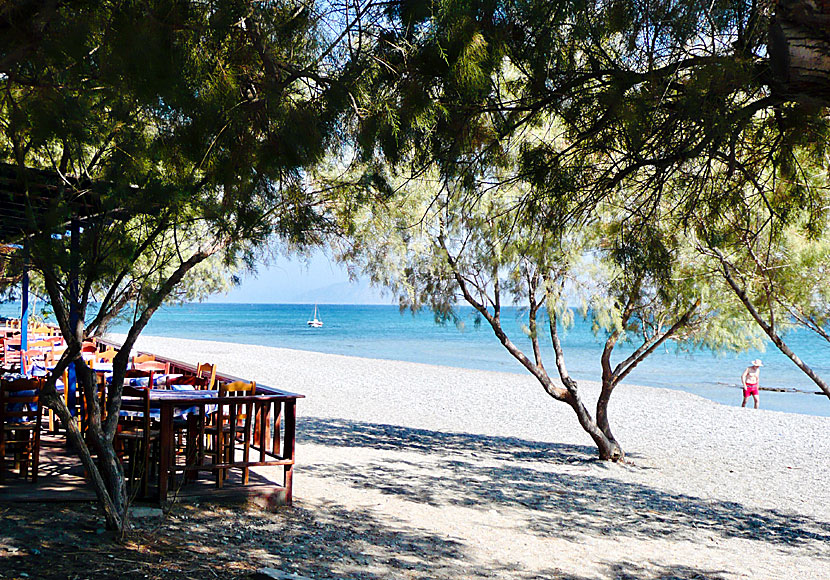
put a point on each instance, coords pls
(751, 390)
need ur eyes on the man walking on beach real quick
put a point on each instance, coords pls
(750, 379)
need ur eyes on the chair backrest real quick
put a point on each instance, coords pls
(11, 352)
(209, 370)
(237, 389)
(138, 374)
(199, 383)
(31, 357)
(54, 355)
(239, 410)
(20, 401)
(143, 358)
(12, 343)
(135, 401)
(106, 356)
(152, 365)
(41, 344)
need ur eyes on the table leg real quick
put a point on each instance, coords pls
(166, 444)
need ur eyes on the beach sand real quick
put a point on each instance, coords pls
(407, 470)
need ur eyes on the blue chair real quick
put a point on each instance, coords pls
(21, 420)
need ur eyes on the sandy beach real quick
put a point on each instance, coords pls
(416, 471)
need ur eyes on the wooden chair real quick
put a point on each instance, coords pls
(136, 435)
(139, 374)
(143, 358)
(54, 355)
(11, 352)
(20, 424)
(106, 356)
(30, 358)
(43, 344)
(232, 425)
(209, 370)
(188, 432)
(198, 383)
(153, 365)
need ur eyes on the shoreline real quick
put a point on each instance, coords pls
(782, 401)
(477, 456)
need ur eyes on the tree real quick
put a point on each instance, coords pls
(192, 125)
(778, 273)
(690, 99)
(434, 244)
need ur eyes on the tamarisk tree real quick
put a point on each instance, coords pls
(436, 246)
(183, 130)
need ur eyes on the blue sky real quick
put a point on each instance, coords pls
(319, 280)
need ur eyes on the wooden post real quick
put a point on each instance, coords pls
(290, 424)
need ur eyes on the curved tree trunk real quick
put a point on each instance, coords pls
(768, 328)
(602, 418)
(108, 464)
(113, 513)
(608, 448)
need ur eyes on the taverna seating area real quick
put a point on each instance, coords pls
(184, 429)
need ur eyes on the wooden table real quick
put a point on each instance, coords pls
(270, 409)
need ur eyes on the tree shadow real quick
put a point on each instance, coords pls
(491, 472)
(630, 571)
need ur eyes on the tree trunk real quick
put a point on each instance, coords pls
(602, 418)
(608, 448)
(768, 328)
(108, 465)
(112, 512)
(799, 50)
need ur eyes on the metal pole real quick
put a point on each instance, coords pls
(74, 248)
(24, 309)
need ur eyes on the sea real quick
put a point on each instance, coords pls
(386, 332)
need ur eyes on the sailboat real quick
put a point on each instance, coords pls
(315, 322)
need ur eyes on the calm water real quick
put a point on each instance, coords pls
(383, 332)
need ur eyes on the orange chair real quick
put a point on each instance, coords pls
(106, 356)
(153, 365)
(11, 352)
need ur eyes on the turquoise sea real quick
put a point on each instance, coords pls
(384, 332)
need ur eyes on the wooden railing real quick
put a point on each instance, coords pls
(266, 436)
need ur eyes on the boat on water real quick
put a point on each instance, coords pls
(315, 322)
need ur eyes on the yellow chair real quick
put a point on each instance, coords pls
(226, 434)
(143, 358)
(208, 371)
(106, 356)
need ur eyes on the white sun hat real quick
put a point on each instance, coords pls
(757, 363)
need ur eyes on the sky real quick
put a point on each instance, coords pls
(320, 280)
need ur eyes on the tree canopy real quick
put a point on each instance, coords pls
(193, 124)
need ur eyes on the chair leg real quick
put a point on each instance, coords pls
(246, 454)
(35, 455)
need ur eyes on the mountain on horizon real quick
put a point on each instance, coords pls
(343, 293)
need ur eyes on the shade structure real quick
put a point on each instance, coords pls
(37, 200)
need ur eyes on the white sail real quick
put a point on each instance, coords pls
(315, 322)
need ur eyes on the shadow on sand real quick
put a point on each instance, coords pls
(493, 472)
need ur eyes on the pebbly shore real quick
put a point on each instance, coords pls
(496, 480)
